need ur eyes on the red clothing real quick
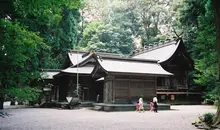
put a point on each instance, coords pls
(137, 106)
(151, 105)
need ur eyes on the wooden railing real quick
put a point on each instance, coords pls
(172, 87)
(181, 86)
(163, 87)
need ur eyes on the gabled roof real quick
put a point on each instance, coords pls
(87, 69)
(75, 56)
(123, 65)
(161, 51)
(79, 56)
(113, 63)
(147, 62)
(131, 66)
(49, 73)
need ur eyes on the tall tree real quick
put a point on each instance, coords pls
(216, 6)
(197, 19)
(107, 38)
(148, 20)
(26, 29)
(62, 37)
(18, 59)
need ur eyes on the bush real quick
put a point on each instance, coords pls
(216, 103)
(23, 94)
(208, 118)
(209, 101)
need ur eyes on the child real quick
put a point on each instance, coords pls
(137, 106)
(151, 106)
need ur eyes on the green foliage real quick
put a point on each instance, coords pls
(208, 118)
(34, 34)
(197, 18)
(19, 50)
(107, 38)
(23, 94)
(56, 21)
(190, 11)
(126, 18)
(144, 19)
(45, 7)
(209, 101)
(19, 60)
(205, 52)
(59, 33)
(62, 37)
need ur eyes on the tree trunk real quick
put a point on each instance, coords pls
(217, 116)
(1, 103)
(216, 7)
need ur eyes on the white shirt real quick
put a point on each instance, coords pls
(155, 99)
(140, 101)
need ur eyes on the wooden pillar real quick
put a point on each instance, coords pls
(108, 91)
(186, 74)
(53, 93)
(58, 93)
(129, 89)
(155, 85)
(113, 90)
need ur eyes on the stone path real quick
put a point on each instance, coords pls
(180, 118)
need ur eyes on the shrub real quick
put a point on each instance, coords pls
(23, 94)
(209, 101)
(208, 118)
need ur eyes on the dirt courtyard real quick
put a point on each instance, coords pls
(179, 118)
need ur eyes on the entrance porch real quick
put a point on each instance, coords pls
(89, 89)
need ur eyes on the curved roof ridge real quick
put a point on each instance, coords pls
(154, 46)
(168, 57)
(128, 59)
(160, 52)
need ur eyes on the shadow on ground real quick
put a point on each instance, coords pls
(4, 114)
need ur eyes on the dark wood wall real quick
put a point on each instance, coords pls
(127, 89)
(178, 81)
(89, 88)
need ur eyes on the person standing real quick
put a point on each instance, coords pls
(151, 106)
(141, 104)
(155, 103)
(137, 106)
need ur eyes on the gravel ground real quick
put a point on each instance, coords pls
(179, 118)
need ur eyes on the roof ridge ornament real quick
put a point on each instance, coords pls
(179, 36)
